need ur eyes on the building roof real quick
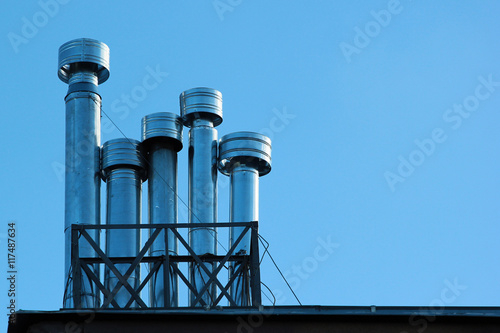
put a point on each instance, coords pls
(266, 319)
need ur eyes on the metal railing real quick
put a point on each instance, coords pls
(168, 263)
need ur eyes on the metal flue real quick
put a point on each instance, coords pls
(123, 171)
(201, 110)
(83, 64)
(244, 156)
(162, 139)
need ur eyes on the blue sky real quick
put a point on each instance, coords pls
(384, 118)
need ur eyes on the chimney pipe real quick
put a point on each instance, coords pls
(123, 171)
(83, 64)
(162, 139)
(244, 156)
(201, 110)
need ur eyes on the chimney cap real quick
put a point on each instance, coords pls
(249, 148)
(201, 103)
(84, 51)
(164, 126)
(122, 152)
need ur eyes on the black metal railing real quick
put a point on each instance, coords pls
(249, 264)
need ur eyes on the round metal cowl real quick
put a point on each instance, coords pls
(84, 50)
(249, 148)
(162, 126)
(201, 103)
(123, 152)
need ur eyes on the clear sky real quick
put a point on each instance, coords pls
(384, 117)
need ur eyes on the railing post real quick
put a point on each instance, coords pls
(77, 273)
(166, 271)
(254, 266)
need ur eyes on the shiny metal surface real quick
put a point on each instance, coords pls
(244, 207)
(79, 65)
(84, 50)
(163, 126)
(245, 148)
(162, 135)
(201, 109)
(123, 172)
(123, 152)
(201, 103)
(244, 156)
(202, 201)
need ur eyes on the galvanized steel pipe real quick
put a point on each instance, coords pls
(244, 156)
(123, 171)
(162, 139)
(83, 64)
(201, 110)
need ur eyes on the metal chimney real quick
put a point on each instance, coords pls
(162, 139)
(201, 110)
(244, 156)
(123, 171)
(83, 64)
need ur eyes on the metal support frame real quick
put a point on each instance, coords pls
(168, 263)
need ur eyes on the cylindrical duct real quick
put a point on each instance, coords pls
(162, 139)
(201, 110)
(244, 156)
(123, 170)
(83, 64)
